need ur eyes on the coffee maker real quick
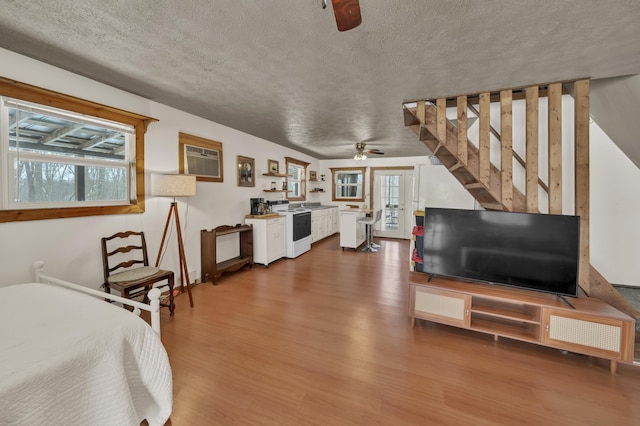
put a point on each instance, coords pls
(258, 206)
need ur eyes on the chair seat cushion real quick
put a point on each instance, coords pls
(133, 274)
(367, 220)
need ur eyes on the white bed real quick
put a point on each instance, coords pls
(68, 358)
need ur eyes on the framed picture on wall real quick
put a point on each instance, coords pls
(313, 175)
(273, 166)
(200, 157)
(246, 171)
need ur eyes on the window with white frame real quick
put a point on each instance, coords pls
(348, 183)
(59, 162)
(58, 158)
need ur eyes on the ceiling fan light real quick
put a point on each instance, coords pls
(359, 157)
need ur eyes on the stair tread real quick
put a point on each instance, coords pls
(493, 206)
(475, 185)
(456, 167)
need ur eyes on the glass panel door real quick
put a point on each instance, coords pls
(390, 195)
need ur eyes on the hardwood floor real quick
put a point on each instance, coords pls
(324, 339)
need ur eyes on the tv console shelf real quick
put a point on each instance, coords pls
(590, 327)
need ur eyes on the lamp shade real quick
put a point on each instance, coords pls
(173, 185)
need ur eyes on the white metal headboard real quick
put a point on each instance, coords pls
(154, 295)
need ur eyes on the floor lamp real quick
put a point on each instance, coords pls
(175, 186)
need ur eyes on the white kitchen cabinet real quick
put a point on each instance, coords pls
(323, 223)
(269, 242)
(333, 221)
(352, 232)
(316, 232)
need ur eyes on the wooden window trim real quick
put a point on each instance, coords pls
(27, 92)
(186, 139)
(303, 181)
(335, 170)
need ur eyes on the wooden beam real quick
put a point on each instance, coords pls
(555, 148)
(420, 112)
(531, 188)
(519, 159)
(462, 129)
(506, 149)
(410, 119)
(484, 162)
(470, 175)
(518, 93)
(581, 99)
(441, 119)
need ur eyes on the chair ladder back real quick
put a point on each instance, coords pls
(108, 269)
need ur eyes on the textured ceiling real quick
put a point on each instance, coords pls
(280, 70)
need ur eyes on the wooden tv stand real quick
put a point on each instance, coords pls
(591, 328)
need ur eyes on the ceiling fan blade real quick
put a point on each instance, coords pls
(375, 151)
(347, 14)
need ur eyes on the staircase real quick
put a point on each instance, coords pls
(467, 171)
(492, 187)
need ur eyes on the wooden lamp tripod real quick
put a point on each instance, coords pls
(175, 186)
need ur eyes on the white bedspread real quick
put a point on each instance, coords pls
(70, 359)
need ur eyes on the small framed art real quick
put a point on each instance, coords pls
(246, 171)
(273, 166)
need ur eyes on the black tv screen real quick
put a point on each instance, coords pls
(534, 251)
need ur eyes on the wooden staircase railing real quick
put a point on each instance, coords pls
(516, 156)
(492, 187)
(422, 121)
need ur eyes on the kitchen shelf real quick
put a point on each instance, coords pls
(274, 190)
(282, 175)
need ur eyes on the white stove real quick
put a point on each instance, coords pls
(298, 226)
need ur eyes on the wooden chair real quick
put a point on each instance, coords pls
(126, 268)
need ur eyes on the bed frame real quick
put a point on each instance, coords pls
(154, 295)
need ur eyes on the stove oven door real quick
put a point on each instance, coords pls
(301, 225)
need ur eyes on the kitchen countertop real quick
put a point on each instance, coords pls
(352, 210)
(314, 206)
(261, 216)
(322, 207)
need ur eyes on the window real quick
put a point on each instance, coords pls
(348, 183)
(296, 179)
(65, 157)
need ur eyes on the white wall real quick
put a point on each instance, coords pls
(441, 189)
(71, 247)
(615, 211)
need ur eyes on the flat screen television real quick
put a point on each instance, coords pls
(533, 251)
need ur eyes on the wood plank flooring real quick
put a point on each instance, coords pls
(324, 339)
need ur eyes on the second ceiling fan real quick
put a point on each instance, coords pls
(347, 13)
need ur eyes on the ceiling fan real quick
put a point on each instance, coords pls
(347, 13)
(361, 151)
